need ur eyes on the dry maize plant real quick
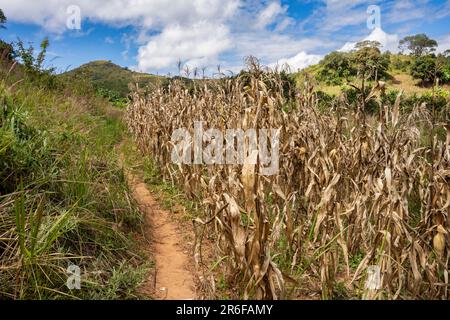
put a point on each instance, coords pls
(353, 190)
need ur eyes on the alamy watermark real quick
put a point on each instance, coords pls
(374, 19)
(73, 21)
(74, 277)
(373, 281)
(237, 147)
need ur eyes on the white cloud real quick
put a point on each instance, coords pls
(52, 14)
(209, 32)
(298, 62)
(286, 22)
(126, 40)
(271, 46)
(194, 31)
(351, 15)
(199, 32)
(444, 44)
(198, 45)
(444, 11)
(338, 14)
(407, 10)
(269, 14)
(389, 42)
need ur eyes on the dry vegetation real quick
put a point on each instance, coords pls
(353, 189)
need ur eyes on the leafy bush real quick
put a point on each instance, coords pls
(437, 101)
(353, 97)
(7, 51)
(336, 66)
(33, 65)
(445, 73)
(324, 100)
(370, 63)
(424, 68)
(400, 64)
(114, 97)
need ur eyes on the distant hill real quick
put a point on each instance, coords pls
(109, 76)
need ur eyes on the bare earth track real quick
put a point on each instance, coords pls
(173, 280)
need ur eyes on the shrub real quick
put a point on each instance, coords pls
(336, 66)
(424, 69)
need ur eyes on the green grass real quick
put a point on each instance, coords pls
(63, 197)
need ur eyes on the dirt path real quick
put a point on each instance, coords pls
(172, 280)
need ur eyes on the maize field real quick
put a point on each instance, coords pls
(354, 189)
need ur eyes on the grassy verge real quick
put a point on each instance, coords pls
(63, 198)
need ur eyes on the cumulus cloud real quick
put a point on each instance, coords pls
(271, 47)
(209, 32)
(197, 32)
(198, 45)
(298, 62)
(52, 14)
(389, 42)
(286, 22)
(194, 30)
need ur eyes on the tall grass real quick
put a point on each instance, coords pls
(354, 189)
(63, 198)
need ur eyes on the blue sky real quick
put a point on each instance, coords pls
(152, 35)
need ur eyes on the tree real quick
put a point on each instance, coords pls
(370, 63)
(446, 74)
(443, 66)
(335, 67)
(2, 19)
(6, 49)
(34, 65)
(418, 44)
(424, 68)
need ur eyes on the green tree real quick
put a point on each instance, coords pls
(443, 67)
(6, 49)
(335, 67)
(418, 44)
(33, 65)
(424, 68)
(3, 19)
(446, 74)
(370, 62)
